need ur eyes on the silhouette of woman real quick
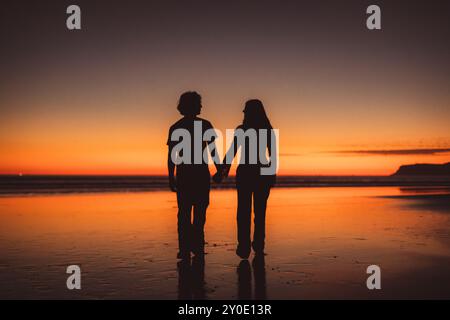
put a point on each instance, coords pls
(252, 186)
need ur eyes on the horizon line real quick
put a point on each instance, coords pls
(165, 175)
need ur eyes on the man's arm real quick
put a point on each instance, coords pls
(171, 171)
(211, 145)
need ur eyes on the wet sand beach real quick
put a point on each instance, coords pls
(319, 244)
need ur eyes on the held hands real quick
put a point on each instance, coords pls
(221, 173)
(218, 177)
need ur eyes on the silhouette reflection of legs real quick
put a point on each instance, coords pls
(184, 267)
(244, 272)
(198, 277)
(191, 278)
(259, 274)
(244, 280)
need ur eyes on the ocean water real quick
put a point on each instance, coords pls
(320, 242)
(41, 184)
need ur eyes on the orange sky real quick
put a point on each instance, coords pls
(310, 144)
(101, 100)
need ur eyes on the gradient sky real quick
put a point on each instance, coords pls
(345, 99)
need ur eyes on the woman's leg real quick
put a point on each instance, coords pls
(244, 211)
(260, 202)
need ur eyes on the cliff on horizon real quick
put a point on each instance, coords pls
(424, 169)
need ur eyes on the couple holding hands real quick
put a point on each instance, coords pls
(191, 181)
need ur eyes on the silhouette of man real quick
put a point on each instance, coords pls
(192, 180)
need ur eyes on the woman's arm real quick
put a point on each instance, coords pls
(229, 156)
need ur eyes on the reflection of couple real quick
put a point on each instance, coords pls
(191, 279)
(192, 180)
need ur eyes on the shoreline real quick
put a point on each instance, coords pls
(40, 190)
(35, 185)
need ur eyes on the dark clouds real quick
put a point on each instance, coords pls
(396, 152)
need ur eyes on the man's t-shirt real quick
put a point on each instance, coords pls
(193, 179)
(195, 128)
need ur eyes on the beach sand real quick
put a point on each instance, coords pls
(319, 243)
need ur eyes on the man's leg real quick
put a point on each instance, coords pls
(244, 212)
(184, 228)
(198, 228)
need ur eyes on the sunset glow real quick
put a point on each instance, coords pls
(102, 100)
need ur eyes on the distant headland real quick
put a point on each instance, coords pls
(424, 169)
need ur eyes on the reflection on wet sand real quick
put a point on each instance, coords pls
(319, 244)
(244, 273)
(434, 199)
(191, 278)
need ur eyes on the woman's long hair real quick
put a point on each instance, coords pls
(255, 116)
